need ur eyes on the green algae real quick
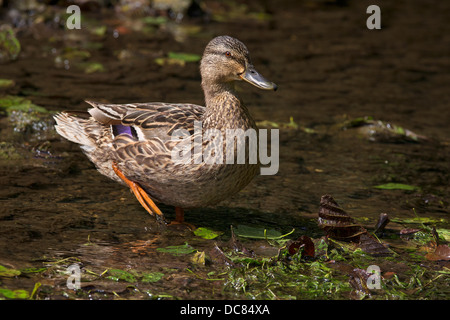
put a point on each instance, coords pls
(9, 104)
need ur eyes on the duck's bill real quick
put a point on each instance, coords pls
(253, 77)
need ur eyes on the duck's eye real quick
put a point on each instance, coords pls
(228, 54)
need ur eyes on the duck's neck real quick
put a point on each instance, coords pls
(224, 109)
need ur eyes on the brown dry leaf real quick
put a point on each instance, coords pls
(358, 281)
(442, 252)
(304, 242)
(372, 246)
(383, 220)
(406, 231)
(336, 222)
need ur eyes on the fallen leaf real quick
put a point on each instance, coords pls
(396, 186)
(92, 67)
(152, 277)
(177, 250)
(426, 220)
(206, 233)
(336, 222)
(14, 294)
(304, 242)
(381, 131)
(99, 31)
(117, 274)
(6, 272)
(358, 281)
(408, 231)
(199, 258)
(442, 252)
(289, 125)
(383, 220)
(388, 274)
(444, 233)
(372, 246)
(6, 83)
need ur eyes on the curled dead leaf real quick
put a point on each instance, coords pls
(442, 252)
(406, 231)
(383, 220)
(358, 281)
(304, 242)
(338, 224)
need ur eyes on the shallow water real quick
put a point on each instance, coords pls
(329, 68)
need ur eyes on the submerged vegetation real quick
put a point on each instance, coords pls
(416, 266)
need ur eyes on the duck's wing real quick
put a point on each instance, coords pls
(147, 145)
(143, 156)
(149, 119)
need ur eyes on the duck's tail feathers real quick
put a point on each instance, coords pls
(75, 129)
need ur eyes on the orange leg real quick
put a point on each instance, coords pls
(141, 195)
(179, 218)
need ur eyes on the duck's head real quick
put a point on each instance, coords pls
(226, 60)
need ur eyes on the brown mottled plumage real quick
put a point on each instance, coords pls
(144, 156)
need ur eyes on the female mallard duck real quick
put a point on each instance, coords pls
(132, 143)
